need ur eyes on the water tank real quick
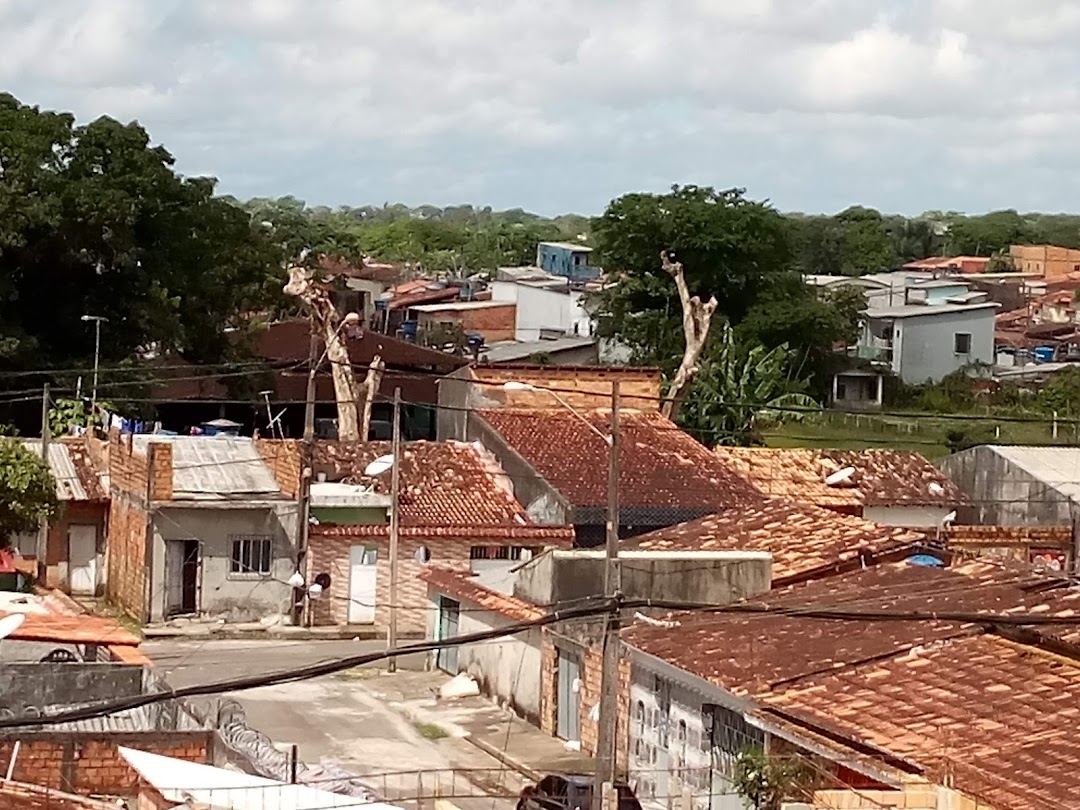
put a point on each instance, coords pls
(1044, 354)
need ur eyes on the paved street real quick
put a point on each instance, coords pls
(337, 719)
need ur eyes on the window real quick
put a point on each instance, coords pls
(962, 343)
(251, 554)
(503, 552)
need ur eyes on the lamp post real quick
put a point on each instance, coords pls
(609, 675)
(97, 319)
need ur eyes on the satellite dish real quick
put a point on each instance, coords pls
(935, 488)
(514, 385)
(9, 624)
(949, 518)
(422, 555)
(839, 477)
(296, 580)
(379, 465)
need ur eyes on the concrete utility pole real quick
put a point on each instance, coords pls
(97, 319)
(395, 492)
(609, 678)
(41, 547)
(307, 472)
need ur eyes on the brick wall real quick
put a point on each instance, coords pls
(591, 659)
(581, 388)
(331, 555)
(129, 469)
(84, 763)
(282, 456)
(126, 554)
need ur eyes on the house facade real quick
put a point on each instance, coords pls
(457, 511)
(198, 526)
(546, 307)
(922, 343)
(75, 548)
(566, 259)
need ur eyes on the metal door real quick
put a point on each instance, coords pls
(568, 696)
(362, 568)
(449, 619)
(82, 559)
(174, 577)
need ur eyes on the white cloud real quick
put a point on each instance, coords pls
(562, 104)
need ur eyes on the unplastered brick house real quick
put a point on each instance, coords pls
(198, 525)
(457, 511)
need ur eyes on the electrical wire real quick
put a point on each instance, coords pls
(102, 708)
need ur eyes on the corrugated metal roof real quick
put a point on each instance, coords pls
(1057, 467)
(177, 780)
(215, 466)
(69, 487)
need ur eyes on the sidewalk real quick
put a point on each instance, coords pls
(496, 731)
(257, 630)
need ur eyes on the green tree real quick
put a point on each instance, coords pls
(991, 233)
(737, 389)
(93, 219)
(731, 249)
(766, 782)
(867, 246)
(27, 490)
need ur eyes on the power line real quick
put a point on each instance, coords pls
(103, 708)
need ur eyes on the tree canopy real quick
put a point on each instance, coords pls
(27, 490)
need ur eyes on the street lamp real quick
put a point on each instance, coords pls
(97, 319)
(609, 676)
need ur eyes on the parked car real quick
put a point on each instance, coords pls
(565, 791)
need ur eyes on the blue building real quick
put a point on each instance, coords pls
(567, 260)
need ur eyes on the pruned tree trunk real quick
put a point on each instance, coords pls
(696, 318)
(371, 387)
(329, 322)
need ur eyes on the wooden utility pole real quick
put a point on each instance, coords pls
(609, 677)
(41, 548)
(395, 492)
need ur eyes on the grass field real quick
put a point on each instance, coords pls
(924, 434)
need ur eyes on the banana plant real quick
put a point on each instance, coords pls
(737, 391)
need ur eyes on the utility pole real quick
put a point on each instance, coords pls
(42, 546)
(609, 677)
(97, 319)
(307, 465)
(395, 491)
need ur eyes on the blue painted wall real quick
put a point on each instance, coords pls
(564, 261)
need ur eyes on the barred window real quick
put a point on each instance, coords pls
(251, 554)
(503, 552)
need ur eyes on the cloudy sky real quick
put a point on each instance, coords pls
(560, 105)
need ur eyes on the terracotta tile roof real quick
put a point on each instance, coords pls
(774, 649)
(19, 796)
(83, 629)
(562, 536)
(442, 483)
(661, 465)
(882, 477)
(464, 587)
(995, 718)
(801, 538)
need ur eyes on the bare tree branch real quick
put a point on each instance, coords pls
(696, 318)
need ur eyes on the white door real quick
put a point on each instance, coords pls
(82, 559)
(362, 561)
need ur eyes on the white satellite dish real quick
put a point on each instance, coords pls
(949, 518)
(9, 624)
(839, 477)
(514, 385)
(935, 488)
(379, 465)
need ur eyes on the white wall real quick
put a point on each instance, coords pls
(913, 516)
(221, 593)
(508, 670)
(539, 308)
